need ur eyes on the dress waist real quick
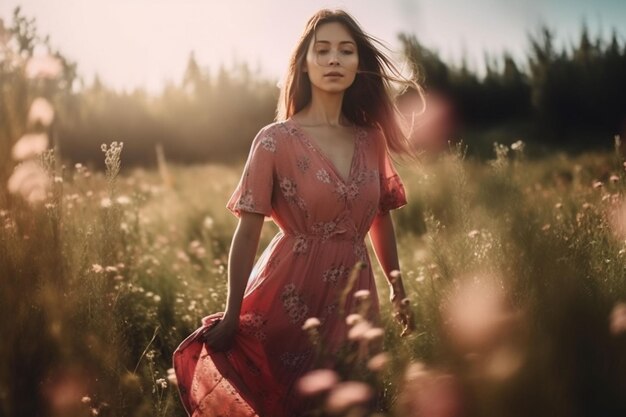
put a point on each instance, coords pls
(339, 236)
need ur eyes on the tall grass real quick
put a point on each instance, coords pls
(103, 281)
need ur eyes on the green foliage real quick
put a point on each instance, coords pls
(570, 94)
(103, 282)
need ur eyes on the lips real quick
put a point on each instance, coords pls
(333, 74)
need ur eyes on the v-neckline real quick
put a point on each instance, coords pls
(311, 141)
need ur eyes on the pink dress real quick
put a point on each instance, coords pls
(323, 221)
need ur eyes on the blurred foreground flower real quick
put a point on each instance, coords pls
(484, 329)
(475, 313)
(616, 216)
(41, 111)
(311, 323)
(171, 376)
(29, 145)
(43, 66)
(317, 381)
(618, 319)
(430, 393)
(65, 391)
(378, 362)
(346, 395)
(30, 181)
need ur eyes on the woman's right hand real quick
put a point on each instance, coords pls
(220, 336)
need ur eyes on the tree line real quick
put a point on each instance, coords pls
(212, 115)
(561, 91)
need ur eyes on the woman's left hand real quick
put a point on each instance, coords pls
(403, 312)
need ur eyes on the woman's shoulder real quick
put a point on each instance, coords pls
(276, 129)
(273, 137)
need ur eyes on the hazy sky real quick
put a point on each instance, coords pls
(144, 42)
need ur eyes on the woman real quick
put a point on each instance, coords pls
(323, 174)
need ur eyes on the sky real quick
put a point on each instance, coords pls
(143, 43)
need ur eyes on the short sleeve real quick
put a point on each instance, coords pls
(392, 191)
(254, 190)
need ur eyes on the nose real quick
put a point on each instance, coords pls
(334, 59)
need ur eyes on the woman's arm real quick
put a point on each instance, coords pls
(383, 239)
(240, 263)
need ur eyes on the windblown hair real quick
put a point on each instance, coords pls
(369, 101)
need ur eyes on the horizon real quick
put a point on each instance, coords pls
(153, 56)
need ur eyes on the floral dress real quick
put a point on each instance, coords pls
(323, 220)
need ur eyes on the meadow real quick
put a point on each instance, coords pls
(514, 268)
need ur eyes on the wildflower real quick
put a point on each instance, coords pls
(362, 294)
(106, 202)
(156, 298)
(545, 227)
(618, 319)
(353, 319)
(395, 274)
(41, 112)
(379, 362)
(414, 371)
(162, 383)
(85, 400)
(373, 333)
(171, 376)
(30, 181)
(597, 184)
(123, 200)
(358, 331)
(347, 394)
(311, 323)
(317, 381)
(473, 233)
(558, 206)
(614, 178)
(97, 268)
(208, 223)
(29, 145)
(110, 269)
(517, 146)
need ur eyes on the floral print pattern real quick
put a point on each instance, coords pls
(335, 274)
(269, 143)
(303, 163)
(323, 176)
(252, 324)
(294, 304)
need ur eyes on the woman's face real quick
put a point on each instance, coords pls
(333, 50)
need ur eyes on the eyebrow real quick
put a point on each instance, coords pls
(350, 42)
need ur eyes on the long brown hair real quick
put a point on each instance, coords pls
(369, 100)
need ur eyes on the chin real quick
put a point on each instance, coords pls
(333, 88)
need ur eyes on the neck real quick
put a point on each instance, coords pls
(324, 109)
